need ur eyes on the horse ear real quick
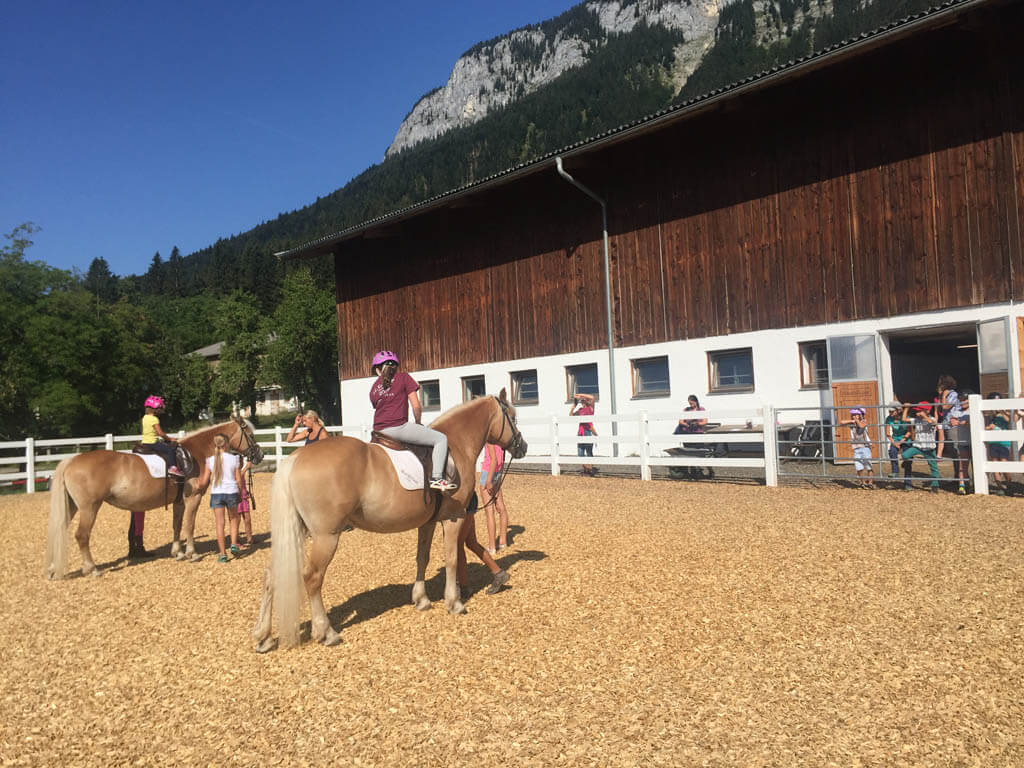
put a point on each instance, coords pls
(502, 396)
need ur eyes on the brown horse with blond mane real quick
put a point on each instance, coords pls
(324, 486)
(82, 483)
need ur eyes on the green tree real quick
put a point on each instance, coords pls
(302, 357)
(238, 325)
(100, 281)
(23, 285)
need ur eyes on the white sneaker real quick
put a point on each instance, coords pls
(443, 485)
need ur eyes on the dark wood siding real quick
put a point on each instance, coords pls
(886, 184)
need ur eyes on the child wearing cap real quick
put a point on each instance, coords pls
(897, 432)
(861, 442)
(926, 435)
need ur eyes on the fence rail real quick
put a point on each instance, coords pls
(637, 440)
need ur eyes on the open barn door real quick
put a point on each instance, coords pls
(994, 357)
(853, 378)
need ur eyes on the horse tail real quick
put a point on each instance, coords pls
(287, 538)
(62, 509)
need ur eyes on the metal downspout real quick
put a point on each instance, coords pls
(607, 291)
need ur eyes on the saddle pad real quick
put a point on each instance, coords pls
(156, 465)
(408, 467)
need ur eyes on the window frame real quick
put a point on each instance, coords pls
(570, 381)
(515, 386)
(635, 365)
(423, 389)
(467, 395)
(714, 357)
(806, 366)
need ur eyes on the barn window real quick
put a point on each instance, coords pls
(813, 365)
(430, 395)
(581, 379)
(524, 388)
(650, 377)
(472, 386)
(731, 370)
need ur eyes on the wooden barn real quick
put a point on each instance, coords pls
(843, 229)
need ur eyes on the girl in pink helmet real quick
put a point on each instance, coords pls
(153, 434)
(391, 395)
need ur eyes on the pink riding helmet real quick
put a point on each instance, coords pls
(154, 402)
(384, 356)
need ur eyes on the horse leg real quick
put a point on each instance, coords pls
(321, 552)
(177, 516)
(452, 598)
(86, 520)
(419, 587)
(261, 632)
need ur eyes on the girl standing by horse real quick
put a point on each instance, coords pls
(494, 501)
(392, 394)
(225, 470)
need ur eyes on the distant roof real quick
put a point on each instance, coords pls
(210, 350)
(909, 25)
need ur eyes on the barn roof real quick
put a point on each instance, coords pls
(932, 17)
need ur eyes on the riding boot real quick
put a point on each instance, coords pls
(136, 550)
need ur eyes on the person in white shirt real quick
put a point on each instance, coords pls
(225, 472)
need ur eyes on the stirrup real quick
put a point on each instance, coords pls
(443, 485)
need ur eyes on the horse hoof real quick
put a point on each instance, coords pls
(267, 645)
(179, 556)
(195, 558)
(424, 605)
(457, 608)
(333, 638)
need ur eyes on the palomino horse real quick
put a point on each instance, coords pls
(324, 486)
(82, 483)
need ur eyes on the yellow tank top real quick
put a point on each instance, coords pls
(149, 424)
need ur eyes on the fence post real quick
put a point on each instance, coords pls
(278, 453)
(556, 468)
(109, 441)
(978, 453)
(770, 433)
(645, 446)
(30, 464)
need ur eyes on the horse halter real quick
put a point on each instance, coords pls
(516, 445)
(252, 451)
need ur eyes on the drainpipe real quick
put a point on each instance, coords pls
(607, 290)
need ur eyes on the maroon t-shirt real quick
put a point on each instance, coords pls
(391, 406)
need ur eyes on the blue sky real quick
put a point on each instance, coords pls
(133, 127)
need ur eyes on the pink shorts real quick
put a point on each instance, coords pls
(243, 505)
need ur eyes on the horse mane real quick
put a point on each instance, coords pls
(455, 412)
(202, 431)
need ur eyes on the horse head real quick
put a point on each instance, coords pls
(244, 441)
(508, 435)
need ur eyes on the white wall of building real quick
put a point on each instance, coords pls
(776, 362)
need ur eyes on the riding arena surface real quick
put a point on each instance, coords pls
(655, 623)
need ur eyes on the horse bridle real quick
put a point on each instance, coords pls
(252, 451)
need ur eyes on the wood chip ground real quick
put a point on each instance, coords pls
(645, 624)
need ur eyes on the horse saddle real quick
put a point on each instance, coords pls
(413, 463)
(183, 459)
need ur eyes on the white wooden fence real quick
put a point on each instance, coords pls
(637, 440)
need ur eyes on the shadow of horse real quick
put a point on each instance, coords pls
(379, 600)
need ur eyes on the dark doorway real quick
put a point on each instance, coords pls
(920, 356)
